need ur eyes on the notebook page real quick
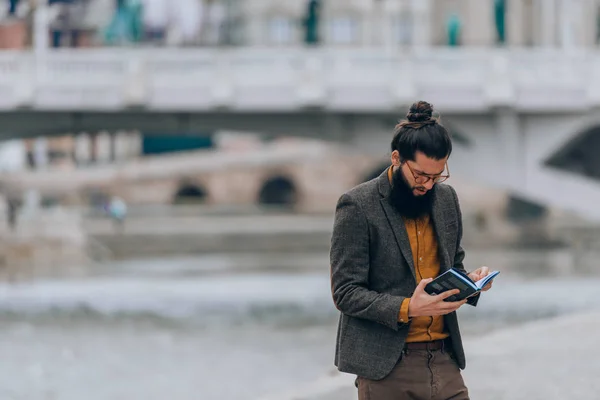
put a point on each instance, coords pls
(484, 281)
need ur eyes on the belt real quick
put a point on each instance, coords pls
(433, 345)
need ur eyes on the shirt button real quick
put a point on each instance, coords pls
(420, 258)
(418, 232)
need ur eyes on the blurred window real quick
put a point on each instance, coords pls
(529, 23)
(402, 28)
(597, 25)
(343, 30)
(280, 30)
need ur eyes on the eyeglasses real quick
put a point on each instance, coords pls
(422, 178)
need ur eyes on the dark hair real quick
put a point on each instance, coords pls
(421, 132)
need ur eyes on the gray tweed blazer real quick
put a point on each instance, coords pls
(372, 271)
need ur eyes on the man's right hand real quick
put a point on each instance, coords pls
(422, 304)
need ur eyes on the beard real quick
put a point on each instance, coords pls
(403, 199)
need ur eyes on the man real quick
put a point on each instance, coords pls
(391, 236)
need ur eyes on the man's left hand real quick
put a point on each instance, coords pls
(481, 273)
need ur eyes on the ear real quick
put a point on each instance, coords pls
(395, 158)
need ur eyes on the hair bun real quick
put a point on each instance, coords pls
(421, 111)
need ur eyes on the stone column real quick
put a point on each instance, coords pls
(40, 153)
(83, 148)
(368, 19)
(422, 28)
(388, 11)
(515, 20)
(549, 22)
(103, 147)
(565, 32)
(122, 145)
(479, 29)
(379, 24)
(511, 145)
(93, 148)
(136, 144)
(112, 146)
(572, 23)
(255, 26)
(41, 19)
(590, 22)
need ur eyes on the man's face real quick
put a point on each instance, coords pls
(412, 182)
(420, 174)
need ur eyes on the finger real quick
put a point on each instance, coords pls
(448, 309)
(487, 287)
(484, 271)
(446, 294)
(422, 284)
(455, 305)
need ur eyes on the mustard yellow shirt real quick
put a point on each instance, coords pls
(424, 246)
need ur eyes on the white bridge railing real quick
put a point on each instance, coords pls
(255, 79)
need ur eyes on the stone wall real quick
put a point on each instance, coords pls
(319, 180)
(45, 243)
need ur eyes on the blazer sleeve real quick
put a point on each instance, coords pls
(459, 255)
(349, 262)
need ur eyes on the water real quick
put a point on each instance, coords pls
(225, 326)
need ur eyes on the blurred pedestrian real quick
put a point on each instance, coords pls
(12, 7)
(11, 210)
(500, 20)
(126, 25)
(391, 236)
(214, 14)
(311, 22)
(453, 27)
(117, 211)
(155, 19)
(186, 20)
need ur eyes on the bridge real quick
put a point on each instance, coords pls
(280, 173)
(525, 119)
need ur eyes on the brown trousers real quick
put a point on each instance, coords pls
(419, 375)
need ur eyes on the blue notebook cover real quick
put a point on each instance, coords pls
(457, 279)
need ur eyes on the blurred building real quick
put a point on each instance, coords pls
(502, 71)
(564, 23)
(66, 152)
(304, 175)
(84, 23)
(12, 156)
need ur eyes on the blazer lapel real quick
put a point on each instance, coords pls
(396, 222)
(439, 222)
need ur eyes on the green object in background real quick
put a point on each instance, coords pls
(311, 22)
(598, 27)
(126, 25)
(453, 26)
(500, 17)
(160, 144)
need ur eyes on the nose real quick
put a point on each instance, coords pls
(429, 184)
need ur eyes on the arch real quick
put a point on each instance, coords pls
(278, 191)
(190, 193)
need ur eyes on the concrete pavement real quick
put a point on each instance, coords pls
(550, 359)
